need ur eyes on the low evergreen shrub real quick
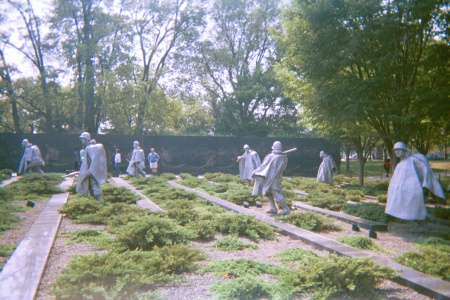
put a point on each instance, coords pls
(310, 221)
(204, 229)
(369, 211)
(239, 268)
(382, 198)
(244, 226)
(152, 231)
(115, 194)
(231, 243)
(247, 288)
(296, 256)
(79, 205)
(441, 212)
(127, 275)
(36, 187)
(95, 238)
(327, 200)
(331, 275)
(361, 242)
(7, 249)
(432, 259)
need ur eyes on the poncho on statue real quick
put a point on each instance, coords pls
(93, 166)
(326, 169)
(405, 199)
(271, 171)
(248, 162)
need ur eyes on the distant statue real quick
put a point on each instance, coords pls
(405, 198)
(31, 161)
(93, 168)
(268, 179)
(327, 168)
(248, 162)
(137, 163)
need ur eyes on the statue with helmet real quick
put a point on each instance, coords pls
(93, 168)
(413, 174)
(326, 169)
(248, 162)
(31, 161)
(137, 162)
(268, 178)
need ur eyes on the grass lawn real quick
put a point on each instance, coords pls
(375, 167)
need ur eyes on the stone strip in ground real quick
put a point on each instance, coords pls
(20, 277)
(367, 224)
(420, 282)
(143, 202)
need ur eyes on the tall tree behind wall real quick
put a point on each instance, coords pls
(34, 46)
(160, 28)
(234, 66)
(81, 26)
(368, 57)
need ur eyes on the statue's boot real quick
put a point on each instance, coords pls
(273, 208)
(285, 210)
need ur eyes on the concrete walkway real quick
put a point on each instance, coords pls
(422, 283)
(144, 202)
(20, 277)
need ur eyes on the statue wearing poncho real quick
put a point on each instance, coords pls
(93, 168)
(405, 199)
(268, 179)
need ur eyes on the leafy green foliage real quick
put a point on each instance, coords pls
(204, 229)
(297, 256)
(114, 275)
(95, 238)
(152, 231)
(361, 242)
(245, 226)
(113, 215)
(7, 216)
(326, 200)
(79, 206)
(7, 249)
(368, 211)
(323, 277)
(222, 177)
(239, 268)
(231, 243)
(115, 194)
(247, 288)
(310, 220)
(441, 212)
(433, 258)
(36, 187)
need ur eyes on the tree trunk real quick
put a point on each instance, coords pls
(10, 92)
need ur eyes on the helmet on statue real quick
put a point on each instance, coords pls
(277, 146)
(400, 145)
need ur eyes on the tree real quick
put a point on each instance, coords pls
(6, 88)
(367, 59)
(234, 65)
(84, 28)
(35, 47)
(161, 28)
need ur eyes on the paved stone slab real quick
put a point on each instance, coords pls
(144, 202)
(20, 277)
(420, 282)
(8, 181)
(367, 224)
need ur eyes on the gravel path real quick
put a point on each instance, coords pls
(398, 239)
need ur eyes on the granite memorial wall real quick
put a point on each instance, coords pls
(179, 154)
